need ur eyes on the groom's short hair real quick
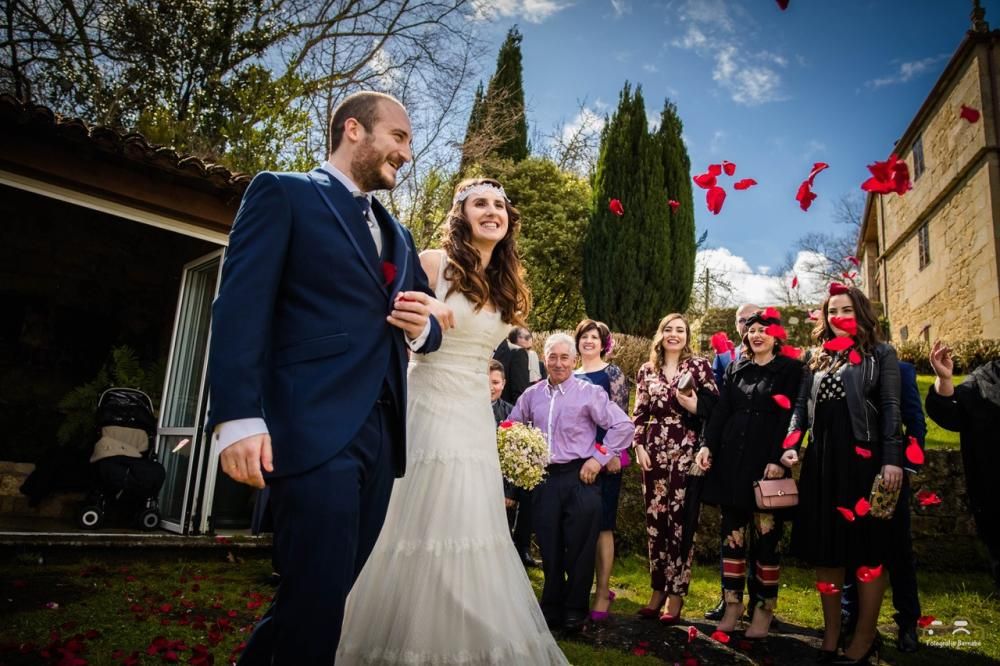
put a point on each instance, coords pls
(363, 107)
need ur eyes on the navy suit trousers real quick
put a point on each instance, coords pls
(326, 521)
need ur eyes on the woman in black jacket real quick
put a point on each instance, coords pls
(743, 444)
(849, 404)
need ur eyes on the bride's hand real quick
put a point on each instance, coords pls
(441, 312)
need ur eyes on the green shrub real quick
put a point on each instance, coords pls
(967, 354)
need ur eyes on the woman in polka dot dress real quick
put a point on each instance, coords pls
(850, 398)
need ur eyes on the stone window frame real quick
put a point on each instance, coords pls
(924, 245)
(919, 166)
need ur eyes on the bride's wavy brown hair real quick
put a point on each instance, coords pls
(503, 284)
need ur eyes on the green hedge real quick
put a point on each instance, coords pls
(968, 354)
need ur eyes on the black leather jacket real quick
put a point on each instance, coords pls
(872, 393)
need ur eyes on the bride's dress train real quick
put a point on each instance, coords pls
(444, 583)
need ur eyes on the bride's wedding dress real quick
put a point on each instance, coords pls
(444, 583)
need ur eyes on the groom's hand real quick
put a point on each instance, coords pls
(589, 471)
(243, 460)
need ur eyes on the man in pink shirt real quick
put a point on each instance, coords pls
(566, 507)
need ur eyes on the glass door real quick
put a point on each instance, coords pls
(181, 443)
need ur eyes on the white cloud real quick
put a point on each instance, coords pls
(586, 119)
(748, 76)
(650, 67)
(907, 71)
(759, 286)
(621, 7)
(716, 144)
(532, 11)
(813, 148)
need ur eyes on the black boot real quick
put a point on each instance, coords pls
(907, 641)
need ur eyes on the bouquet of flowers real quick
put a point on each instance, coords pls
(524, 453)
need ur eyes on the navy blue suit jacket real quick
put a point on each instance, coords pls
(911, 408)
(299, 331)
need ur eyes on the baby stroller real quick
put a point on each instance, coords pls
(124, 468)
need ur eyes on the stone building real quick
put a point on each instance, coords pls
(931, 256)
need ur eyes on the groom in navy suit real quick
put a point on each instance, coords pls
(322, 294)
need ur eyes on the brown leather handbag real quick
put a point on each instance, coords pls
(775, 493)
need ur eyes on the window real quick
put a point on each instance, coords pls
(924, 245)
(918, 157)
(925, 333)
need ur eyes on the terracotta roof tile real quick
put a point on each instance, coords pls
(129, 145)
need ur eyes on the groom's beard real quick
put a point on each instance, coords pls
(367, 169)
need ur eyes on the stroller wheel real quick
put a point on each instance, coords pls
(149, 519)
(90, 517)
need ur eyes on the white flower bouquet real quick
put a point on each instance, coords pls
(524, 453)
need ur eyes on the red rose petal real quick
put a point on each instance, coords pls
(836, 288)
(863, 452)
(720, 636)
(715, 198)
(893, 175)
(791, 352)
(744, 184)
(639, 652)
(715, 169)
(854, 357)
(791, 439)
(674, 205)
(692, 633)
(868, 574)
(600, 447)
(862, 507)
(705, 180)
(615, 206)
(969, 113)
(795, 282)
(506, 424)
(776, 331)
(914, 453)
(925, 621)
(782, 401)
(805, 195)
(838, 344)
(817, 167)
(848, 325)
(718, 342)
(772, 313)
(728, 167)
(827, 588)
(854, 260)
(846, 513)
(928, 498)
(783, 4)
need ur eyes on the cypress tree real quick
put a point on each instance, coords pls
(474, 128)
(504, 108)
(677, 186)
(627, 259)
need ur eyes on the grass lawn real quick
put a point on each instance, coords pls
(141, 607)
(937, 437)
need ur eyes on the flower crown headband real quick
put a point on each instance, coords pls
(481, 188)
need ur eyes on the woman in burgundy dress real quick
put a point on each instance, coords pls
(667, 430)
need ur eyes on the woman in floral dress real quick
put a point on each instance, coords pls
(667, 429)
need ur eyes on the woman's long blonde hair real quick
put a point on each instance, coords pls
(657, 355)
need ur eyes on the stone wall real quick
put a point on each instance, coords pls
(956, 294)
(14, 504)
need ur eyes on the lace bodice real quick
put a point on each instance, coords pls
(469, 346)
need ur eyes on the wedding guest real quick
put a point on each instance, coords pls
(514, 357)
(536, 369)
(849, 403)
(667, 429)
(517, 500)
(743, 443)
(902, 566)
(567, 504)
(719, 365)
(594, 343)
(723, 360)
(972, 409)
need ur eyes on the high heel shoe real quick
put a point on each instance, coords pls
(873, 650)
(648, 613)
(667, 618)
(601, 616)
(825, 656)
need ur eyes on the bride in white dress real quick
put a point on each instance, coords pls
(444, 584)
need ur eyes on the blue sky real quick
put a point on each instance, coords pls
(773, 91)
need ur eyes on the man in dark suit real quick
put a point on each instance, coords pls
(322, 293)
(514, 358)
(901, 565)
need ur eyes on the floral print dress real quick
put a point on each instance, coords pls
(671, 436)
